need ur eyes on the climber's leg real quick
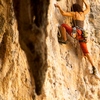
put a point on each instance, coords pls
(63, 33)
(67, 28)
(86, 53)
(63, 29)
(89, 59)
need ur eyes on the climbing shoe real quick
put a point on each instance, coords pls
(94, 70)
(62, 41)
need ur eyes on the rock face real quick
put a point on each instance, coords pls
(33, 65)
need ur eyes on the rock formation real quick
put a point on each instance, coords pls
(33, 65)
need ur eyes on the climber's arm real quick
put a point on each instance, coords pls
(87, 7)
(70, 14)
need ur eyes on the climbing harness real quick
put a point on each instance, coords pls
(74, 32)
(84, 34)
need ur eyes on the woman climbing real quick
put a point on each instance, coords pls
(78, 17)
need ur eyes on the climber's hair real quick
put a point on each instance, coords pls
(76, 7)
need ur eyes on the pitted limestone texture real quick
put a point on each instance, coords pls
(2, 21)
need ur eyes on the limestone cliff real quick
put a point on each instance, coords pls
(33, 65)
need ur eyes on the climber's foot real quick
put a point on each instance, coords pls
(62, 41)
(93, 70)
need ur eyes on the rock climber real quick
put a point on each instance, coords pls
(78, 17)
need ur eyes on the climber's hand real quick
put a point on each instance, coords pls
(84, 0)
(56, 5)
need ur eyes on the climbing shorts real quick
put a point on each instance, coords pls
(83, 45)
(68, 28)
